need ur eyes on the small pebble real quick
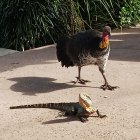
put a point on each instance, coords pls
(105, 96)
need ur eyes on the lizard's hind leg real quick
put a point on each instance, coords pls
(61, 114)
(65, 113)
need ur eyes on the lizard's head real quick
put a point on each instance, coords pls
(86, 102)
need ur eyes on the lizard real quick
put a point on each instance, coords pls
(82, 109)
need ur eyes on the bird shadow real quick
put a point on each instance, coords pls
(36, 85)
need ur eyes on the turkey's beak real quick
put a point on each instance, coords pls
(109, 34)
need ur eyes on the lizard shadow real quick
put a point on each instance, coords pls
(64, 120)
(36, 85)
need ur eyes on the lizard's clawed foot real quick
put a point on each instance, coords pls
(83, 119)
(99, 115)
(81, 81)
(107, 86)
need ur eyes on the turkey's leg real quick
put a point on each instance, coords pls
(79, 80)
(106, 85)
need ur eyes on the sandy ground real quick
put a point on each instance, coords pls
(36, 76)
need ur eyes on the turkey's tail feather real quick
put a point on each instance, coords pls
(61, 48)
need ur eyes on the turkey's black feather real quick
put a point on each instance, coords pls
(61, 52)
(73, 51)
(86, 48)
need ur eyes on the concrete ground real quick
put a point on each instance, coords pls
(36, 76)
(4, 51)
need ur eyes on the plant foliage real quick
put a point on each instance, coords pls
(31, 23)
(130, 13)
(26, 24)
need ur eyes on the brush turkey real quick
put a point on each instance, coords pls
(89, 47)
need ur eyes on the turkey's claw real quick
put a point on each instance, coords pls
(107, 86)
(81, 81)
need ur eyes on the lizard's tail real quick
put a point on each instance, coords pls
(30, 106)
(61, 106)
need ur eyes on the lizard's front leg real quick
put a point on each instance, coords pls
(83, 118)
(100, 115)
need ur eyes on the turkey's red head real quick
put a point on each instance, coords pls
(106, 31)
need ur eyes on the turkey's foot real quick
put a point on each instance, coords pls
(107, 86)
(81, 81)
